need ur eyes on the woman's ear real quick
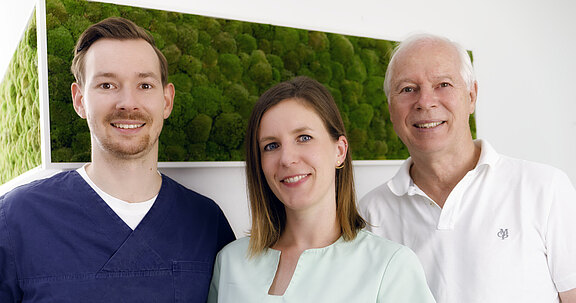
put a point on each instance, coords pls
(341, 150)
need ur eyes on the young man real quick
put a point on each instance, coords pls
(115, 230)
(487, 228)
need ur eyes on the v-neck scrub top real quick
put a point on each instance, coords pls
(367, 269)
(60, 242)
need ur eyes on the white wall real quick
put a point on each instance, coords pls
(227, 186)
(524, 56)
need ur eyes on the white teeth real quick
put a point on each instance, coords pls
(429, 125)
(128, 126)
(294, 179)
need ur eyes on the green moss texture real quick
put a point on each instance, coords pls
(19, 110)
(219, 68)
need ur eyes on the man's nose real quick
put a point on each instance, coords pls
(128, 100)
(426, 99)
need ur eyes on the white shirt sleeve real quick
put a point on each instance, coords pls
(561, 233)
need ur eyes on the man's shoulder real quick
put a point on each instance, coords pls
(177, 187)
(377, 195)
(54, 184)
(34, 197)
(529, 170)
(172, 188)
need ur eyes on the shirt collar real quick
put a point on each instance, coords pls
(402, 182)
(488, 155)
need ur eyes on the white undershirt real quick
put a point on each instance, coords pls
(130, 213)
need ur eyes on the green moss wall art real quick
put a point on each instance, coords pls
(19, 109)
(219, 68)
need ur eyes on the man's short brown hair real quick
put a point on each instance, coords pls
(113, 28)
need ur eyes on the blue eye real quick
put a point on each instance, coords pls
(304, 138)
(271, 146)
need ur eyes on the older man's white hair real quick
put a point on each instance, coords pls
(466, 68)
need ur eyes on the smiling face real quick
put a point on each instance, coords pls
(123, 99)
(298, 156)
(430, 103)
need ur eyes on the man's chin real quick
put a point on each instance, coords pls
(129, 154)
(127, 151)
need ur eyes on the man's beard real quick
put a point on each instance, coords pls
(128, 151)
(125, 151)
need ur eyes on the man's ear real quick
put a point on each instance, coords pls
(78, 100)
(169, 92)
(473, 96)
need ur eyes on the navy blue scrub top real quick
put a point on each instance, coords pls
(60, 242)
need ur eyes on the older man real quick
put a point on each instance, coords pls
(487, 228)
(115, 230)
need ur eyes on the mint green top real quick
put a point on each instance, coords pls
(367, 269)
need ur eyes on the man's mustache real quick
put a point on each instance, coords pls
(123, 115)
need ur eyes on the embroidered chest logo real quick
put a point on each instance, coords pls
(503, 233)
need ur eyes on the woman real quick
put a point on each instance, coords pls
(307, 242)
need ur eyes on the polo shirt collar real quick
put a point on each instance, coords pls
(488, 155)
(401, 183)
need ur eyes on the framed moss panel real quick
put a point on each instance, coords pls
(219, 68)
(20, 109)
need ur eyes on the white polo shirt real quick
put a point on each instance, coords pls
(507, 232)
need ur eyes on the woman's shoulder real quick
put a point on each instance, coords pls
(235, 252)
(366, 240)
(371, 238)
(371, 245)
(236, 257)
(238, 245)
